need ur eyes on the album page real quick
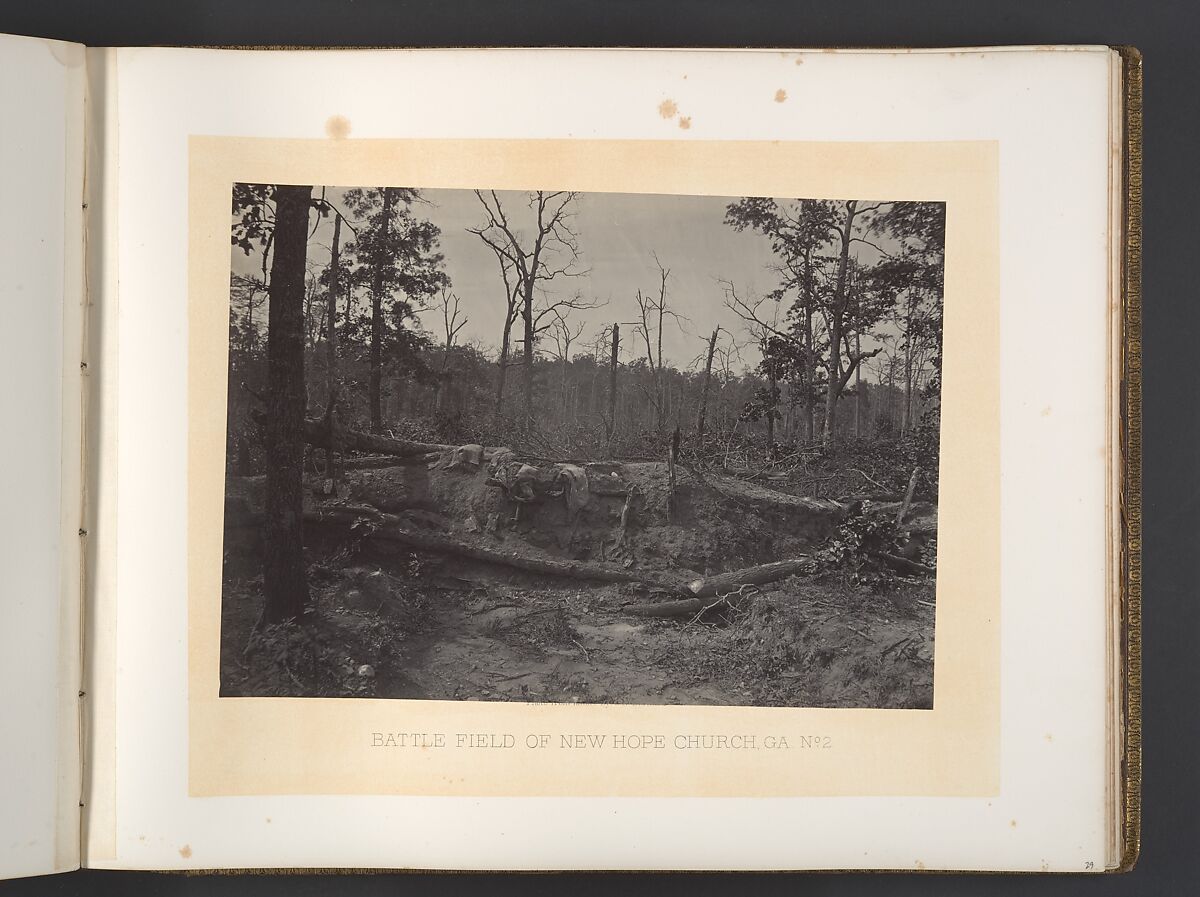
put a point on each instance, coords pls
(41, 249)
(607, 459)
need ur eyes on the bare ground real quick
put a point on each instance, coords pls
(504, 637)
(399, 625)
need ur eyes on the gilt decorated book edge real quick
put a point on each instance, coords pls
(1131, 460)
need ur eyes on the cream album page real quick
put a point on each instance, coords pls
(698, 442)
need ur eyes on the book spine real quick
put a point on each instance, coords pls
(1131, 448)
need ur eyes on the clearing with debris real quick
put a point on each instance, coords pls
(477, 575)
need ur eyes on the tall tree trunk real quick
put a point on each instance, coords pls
(502, 369)
(808, 423)
(906, 419)
(249, 347)
(439, 385)
(612, 381)
(308, 319)
(527, 320)
(772, 385)
(892, 393)
(703, 411)
(659, 379)
(285, 584)
(563, 388)
(331, 354)
(375, 382)
(834, 386)
(808, 376)
(857, 388)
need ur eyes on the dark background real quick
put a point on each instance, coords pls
(1166, 33)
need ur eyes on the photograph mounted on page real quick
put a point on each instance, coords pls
(582, 447)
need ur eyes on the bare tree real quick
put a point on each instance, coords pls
(611, 423)
(702, 411)
(563, 334)
(512, 311)
(552, 252)
(801, 271)
(453, 321)
(252, 291)
(597, 347)
(762, 319)
(653, 312)
(837, 315)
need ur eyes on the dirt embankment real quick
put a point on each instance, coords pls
(714, 524)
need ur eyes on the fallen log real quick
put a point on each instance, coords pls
(729, 582)
(923, 526)
(393, 502)
(386, 461)
(904, 565)
(387, 528)
(694, 607)
(316, 433)
(688, 607)
(756, 496)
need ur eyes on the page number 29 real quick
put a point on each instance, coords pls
(1089, 865)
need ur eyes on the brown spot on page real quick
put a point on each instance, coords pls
(780, 95)
(685, 121)
(337, 127)
(667, 108)
(185, 851)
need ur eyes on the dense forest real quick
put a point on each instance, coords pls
(351, 343)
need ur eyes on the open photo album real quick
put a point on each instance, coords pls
(572, 459)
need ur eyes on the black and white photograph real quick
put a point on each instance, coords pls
(594, 448)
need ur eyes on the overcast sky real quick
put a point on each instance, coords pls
(618, 232)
